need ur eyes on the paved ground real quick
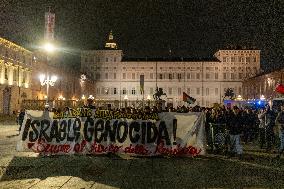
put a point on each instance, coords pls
(26, 170)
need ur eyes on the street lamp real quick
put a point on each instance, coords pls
(262, 97)
(48, 81)
(148, 100)
(125, 100)
(48, 47)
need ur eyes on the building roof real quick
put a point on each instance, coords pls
(10, 44)
(169, 59)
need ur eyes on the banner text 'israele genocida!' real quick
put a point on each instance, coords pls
(109, 131)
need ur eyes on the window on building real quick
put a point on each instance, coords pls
(15, 75)
(207, 76)
(216, 75)
(151, 90)
(207, 103)
(114, 91)
(124, 76)
(114, 59)
(6, 73)
(170, 90)
(254, 59)
(192, 75)
(198, 76)
(86, 59)
(98, 91)
(224, 75)
(151, 75)
(98, 76)
(232, 59)
(106, 59)
(106, 75)
(124, 91)
(106, 90)
(188, 91)
(198, 91)
(114, 75)
(161, 76)
(247, 59)
(240, 75)
(207, 91)
(188, 75)
(179, 75)
(179, 91)
(133, 91)
(224, 59)
(133, 75)
(216, 91)
(24, 77)
(232, 76)
(170, 76)
(216, 68)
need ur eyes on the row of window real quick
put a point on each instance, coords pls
(16, 56)
(15, 74)
(169, 91)
(239, 59)
(100, 59)
(178, 76)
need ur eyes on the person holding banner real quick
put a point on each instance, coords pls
(21, 118)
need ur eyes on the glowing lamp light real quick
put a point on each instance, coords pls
(83, 97)
(125, 97)
(262, 97)
(91, 97)
(41, 78)
(60, 97)
(239, 97)
(45, 96)
(49, 47)
(148, 97)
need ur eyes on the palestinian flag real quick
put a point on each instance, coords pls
(187, 98)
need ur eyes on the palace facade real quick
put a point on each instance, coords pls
(20, 86)
(117, 78)
(15, 75)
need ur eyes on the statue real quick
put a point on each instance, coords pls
(159, 92)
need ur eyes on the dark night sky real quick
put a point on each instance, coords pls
(191, 28)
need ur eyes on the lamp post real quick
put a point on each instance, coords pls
(125, 100)
(48, 81)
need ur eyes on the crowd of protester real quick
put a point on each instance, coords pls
(233, 126)
(245, 126)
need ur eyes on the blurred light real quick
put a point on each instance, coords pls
(262, 97)
(125, 97)
(148, 97)
(41, 78)
(91, 97)
(49, 47)
(83, 97)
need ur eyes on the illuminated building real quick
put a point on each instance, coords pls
(15, 73)
(204, 79)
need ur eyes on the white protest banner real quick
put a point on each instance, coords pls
(99, 132)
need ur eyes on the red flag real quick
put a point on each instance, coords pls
(279, 88)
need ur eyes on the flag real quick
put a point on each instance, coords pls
(187, 98)
(279, 88)
(142, 84)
